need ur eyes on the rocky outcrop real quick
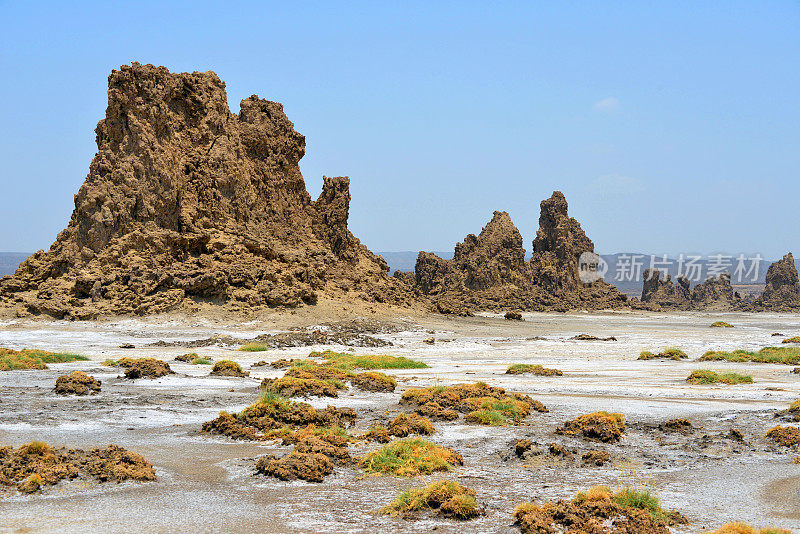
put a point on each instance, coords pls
(782, 290)
(489, 271)
(557, 249)
(559, 243)
(716, 294)
(186, 202)
(662, 293)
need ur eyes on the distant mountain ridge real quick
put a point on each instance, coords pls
(9, 261)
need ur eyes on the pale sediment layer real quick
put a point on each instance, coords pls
(160, 419)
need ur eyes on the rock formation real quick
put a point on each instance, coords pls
(660, 292)
(716, 294)
(557, 248)
(186, 202)
(782, 290)
(489, 271)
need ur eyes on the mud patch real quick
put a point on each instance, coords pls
(681, 426)
(587, 337)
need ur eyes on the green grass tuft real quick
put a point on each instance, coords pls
(410, 457)
(488, 418)
(705, 376)
(721, 324)
(13, 360)
(347, 361)
(779, 355)
(450, 498)
(671, 353)
(253, 347)
(631, 497)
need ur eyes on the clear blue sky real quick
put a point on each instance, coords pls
(670, 128)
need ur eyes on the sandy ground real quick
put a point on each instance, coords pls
(208, 483)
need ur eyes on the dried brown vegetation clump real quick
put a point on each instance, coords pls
(533, 369)
(15, 360)
(786, 436)
(436, 412)
(595, 457)
(77, 383)
(143, 367)
(445, 498)
(187, 358)
(275, 416)
(330, 445)
(32, 466)
(312, 467)
(521, 446)
(401, 426)
(307, 377)
(410, 457)
(670, 353)
(792, 413)
(406, 424)
(374, 381)
(377, 433)
(228, 368)
(596, 426)
(599, 511)
(310, 370)
(289, 386)
(681, 426)
(483, 404)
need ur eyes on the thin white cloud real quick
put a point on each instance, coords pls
(615, 184)
(607, 105)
